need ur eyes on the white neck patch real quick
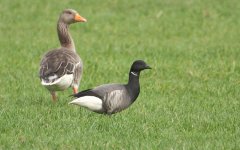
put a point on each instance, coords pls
(134, 73)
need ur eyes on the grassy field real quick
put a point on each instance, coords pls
(189, 100)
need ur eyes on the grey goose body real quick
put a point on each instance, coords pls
(112, 98)
(62, 68)
(58, 63)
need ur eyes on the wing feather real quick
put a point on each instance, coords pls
(58, 62)
(116, 101)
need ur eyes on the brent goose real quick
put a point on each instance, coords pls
(112, 98)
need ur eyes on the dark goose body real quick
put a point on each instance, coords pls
(112, 98)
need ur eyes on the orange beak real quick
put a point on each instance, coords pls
(79, 18)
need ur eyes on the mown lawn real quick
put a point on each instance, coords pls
(189, 100)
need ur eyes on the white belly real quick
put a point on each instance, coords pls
(90, 102)
(60, 84)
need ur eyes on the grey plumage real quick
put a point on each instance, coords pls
(60, 62)
(62, 67)
(113, 98)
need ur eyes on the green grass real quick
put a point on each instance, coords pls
(190, 100)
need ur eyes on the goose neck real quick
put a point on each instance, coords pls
(133, 84)
(64, 36)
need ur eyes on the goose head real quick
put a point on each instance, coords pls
(70, 16)
(139, 65)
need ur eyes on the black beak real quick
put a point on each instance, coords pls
(148, 67)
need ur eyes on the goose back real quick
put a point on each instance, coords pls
(57, 63)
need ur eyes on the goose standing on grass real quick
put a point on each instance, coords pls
(112, 98)
(62, 67)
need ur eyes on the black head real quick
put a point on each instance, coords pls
(139, 65)
(70, 16)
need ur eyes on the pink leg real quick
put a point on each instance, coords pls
(54, 96)
(75, 90)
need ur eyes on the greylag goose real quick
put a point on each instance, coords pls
(62, 68)
(112, 98)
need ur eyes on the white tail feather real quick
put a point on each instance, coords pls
(59, 84)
